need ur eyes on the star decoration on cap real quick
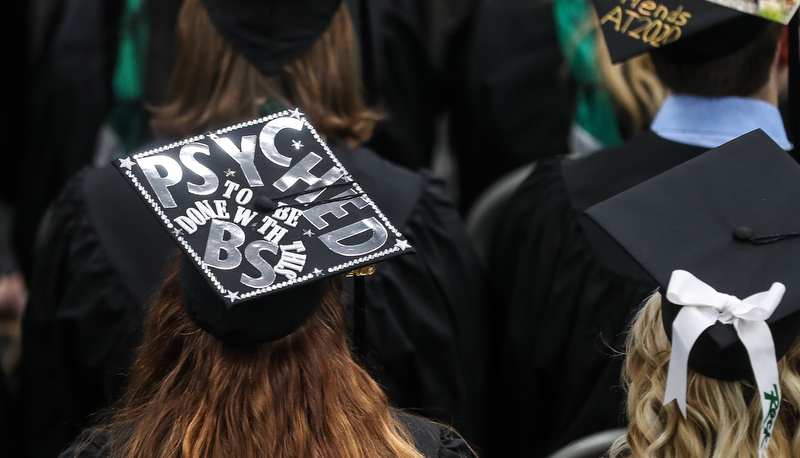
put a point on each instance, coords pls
(295, 113)
(297, 144)
(402, 244)
(308, 233)
(177, 231)
(230, 173)
(126, 162)
(233, 295)
(317, 272)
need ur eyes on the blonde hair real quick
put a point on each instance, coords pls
(722, 417)
(635, 89)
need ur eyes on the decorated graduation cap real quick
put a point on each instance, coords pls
(271, 33)
(692, 30)
(721, 235)
(264, 213)
(697, 31)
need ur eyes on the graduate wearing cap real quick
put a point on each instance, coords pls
(246, 351)
(713, 358)
(565, 292)
(102, 256)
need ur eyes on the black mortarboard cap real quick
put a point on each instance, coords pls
(271, 33)
(688, 30)
(264, 213)
(729, 217)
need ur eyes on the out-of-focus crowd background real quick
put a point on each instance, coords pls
(474, 90)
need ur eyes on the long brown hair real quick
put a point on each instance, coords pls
(191, 395)
(722, 417)
(213, 86)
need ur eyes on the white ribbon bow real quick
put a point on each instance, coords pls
(702, 307)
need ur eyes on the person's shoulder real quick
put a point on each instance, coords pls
(432, 439)
(541, 192)
(361, 161)
(595, 177)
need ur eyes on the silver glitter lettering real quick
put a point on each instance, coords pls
(314, 214)
(218, 243)
(160, 184)
(210, 180)
(333, 240)
(245, 156)
(266, 139)
(253, 255)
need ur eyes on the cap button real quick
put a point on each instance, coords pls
(743, 233)
(264, 204)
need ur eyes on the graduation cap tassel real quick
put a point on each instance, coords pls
(360, 312)
(359, 319)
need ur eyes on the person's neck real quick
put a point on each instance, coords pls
(768, 93)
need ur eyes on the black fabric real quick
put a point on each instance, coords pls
(69, 96)
(9, 439)
(562, 300)
(81, 323)
(512, 55)
(793, 127)
(271, 34)
(407, 81)
(264, 319)
(140, 271)
(431, 439)
(690, 218)
(426, 339)
(434, 440)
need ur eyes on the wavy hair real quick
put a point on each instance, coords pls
(191, 395)
(722, 418)
(212, 86)
(635, 90)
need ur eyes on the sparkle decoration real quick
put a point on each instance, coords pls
(177, 232)
(233, 295)
(297, 144)
(317, 272)
(126, 162)
(295, 113)
(402, 244)
(230, 173)
(308, 233)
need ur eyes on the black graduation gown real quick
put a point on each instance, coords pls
(513, 100)
(9, 443)
(103, 256)
(564, 294)
(431, 439)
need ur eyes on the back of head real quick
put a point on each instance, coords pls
(720, 72)
(192, 395)
(722, 417)
(212, 85)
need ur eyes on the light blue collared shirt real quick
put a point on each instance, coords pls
(710, 122)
